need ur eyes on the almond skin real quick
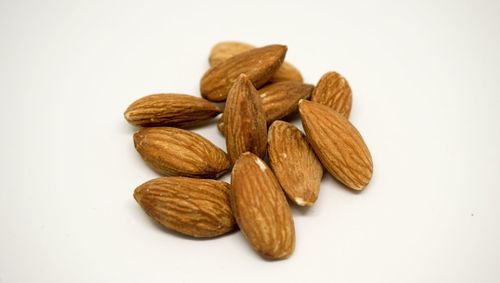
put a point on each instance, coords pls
(261, 209)
(258, 64)
(227, 49)
(199, 208)
(169, 109)
(245, 124)
(178, 152)
(294, 163)
(334, 91)
(279, 100)
(337, 143)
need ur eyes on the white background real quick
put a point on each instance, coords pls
(425, 79)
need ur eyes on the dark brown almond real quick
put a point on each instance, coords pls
(337, 143)
(294, 163)
(261, 209)
(245, 124)
(287, 72)
(334, 91)
(196, 207)
(258, 64)
(176, 110)
(177, 152)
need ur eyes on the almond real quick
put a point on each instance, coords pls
(294, 163)
(227, 49)
(177, 152)
(245, 124)
(334, 91)
(261, 209)
(337, 143)
(196, 207)
(279, 100)
(258, 64)
(177, 110)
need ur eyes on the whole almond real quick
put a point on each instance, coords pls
(294, 163)
(178, 152)
(258, 64)
(244, 120)
(261, 209)
(334, 91)
(337, 143)
(279, 100)
(227, 49)
(196, 207)
(177, 110)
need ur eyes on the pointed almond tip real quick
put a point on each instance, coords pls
(302, 202)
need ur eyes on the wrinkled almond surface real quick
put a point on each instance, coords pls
(258, 64)
(195, 207)
(294, 163)
(177, 110)
(334, 91)
(178, 152)
(337, 143)
(227, 49)
(245, 124)
(261, 209)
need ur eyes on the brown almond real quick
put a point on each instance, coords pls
(279, 100)
(169, 109)
(337, 143)
(227, 49)
(258, 64)
(178, 152)
(334, 91)
(294, 163)
(261, 209)
(196, 207)
(244, 120)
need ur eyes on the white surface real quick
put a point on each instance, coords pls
(425, 78)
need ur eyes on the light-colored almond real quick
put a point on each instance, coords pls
(169, 109)
(178, 152)
(279, 100)
(294, 163)
(244, 120)
(334, 91)
(261, 209)
(227, 49)
(337, 143)
(258, 64)
(196, 207)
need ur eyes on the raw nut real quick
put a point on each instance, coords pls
(244, 120)
(196, 207)
(227, 49)
(178, 152)
(337, 143)
(176, 110)
(258, 64)
(334, 91)
(279, 100)
(294, 163)
(261, 209)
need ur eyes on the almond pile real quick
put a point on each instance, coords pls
(259, 89)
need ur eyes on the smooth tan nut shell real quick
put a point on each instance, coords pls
(258, 64)
(294, 163)
(178, 152)
(245, 124)
(170, 109)
(196, 207)
(227, 49)
(337, 143)
(334, 91)
(261, 209)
